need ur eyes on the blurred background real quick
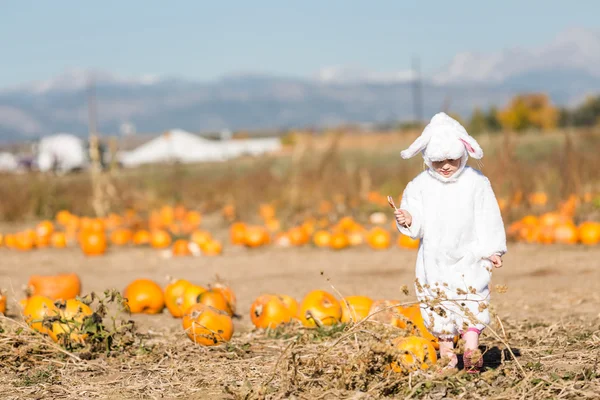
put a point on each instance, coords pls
(229, 105)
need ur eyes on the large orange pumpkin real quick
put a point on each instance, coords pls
(298, 236)
(181, 247)
(55, 287)
(379, 239)
(160, 239)
(355, 308)
(44, 229)
(290, 303)
(2, 303)
(589, 233)
(216, 299)
(320, 308)
(237, 233)
(121, 237)
(420, 354)
(206, 325)
(38, 308)
(322, 238)
(565, 233)
(339, 241)
(174, 297)
(93, 243)
(144, 296)
(269, 311)
(407, 242)
(58, 240)
(200, 238)
(227, 293)
(191, 296)
(72, 313)
(256, 236)
(212, 248)
(141, 237)
(24, 241)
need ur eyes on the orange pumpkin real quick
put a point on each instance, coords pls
(174, 297)
(413, 313)
(72, 313)
(269, 311)
(322, 238)
(2, 303)
(212, 248)
(63, 217)
(320, 308)
(193, 219)
(589, 233)
(93, 243)
(237, 233)
(565, 233)
(38, 308)
(538, 199)
(387, 312)
(58, 240)
(379, 239)
(144, 296)
(339, 241)
(406, 242)
(55, 287)
(216, 299)
(206, 325)
(228, 294)
(356, 238)
(179, 212)
(200, 238)
(160, 239)
(24, 241)
(266, 211)
(121, 237)
(10, 240)
(355, 308)
(256, 236)
(141, 237)
(420, 354)
(191, 296)
(44, 229)
(181, 247)
(298, 236)
(290, 303)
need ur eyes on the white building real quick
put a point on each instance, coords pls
(8, 162)
(62, 152)
(181, 146)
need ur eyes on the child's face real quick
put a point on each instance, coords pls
(446, 168)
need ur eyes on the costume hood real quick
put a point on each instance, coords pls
(444, 138)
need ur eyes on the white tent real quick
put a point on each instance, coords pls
(62, 151)
(175, 145)
(8, 162)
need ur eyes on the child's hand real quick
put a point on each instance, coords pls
(496, 260)
(403, 217)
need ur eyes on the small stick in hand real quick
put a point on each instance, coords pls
(390, 200)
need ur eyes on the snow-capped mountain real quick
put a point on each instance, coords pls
(568, 69)
(574, 49)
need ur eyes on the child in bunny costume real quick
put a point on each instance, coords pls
(453, 210)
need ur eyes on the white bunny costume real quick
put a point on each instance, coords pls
(458, 221)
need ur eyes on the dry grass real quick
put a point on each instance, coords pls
(559, 360)
(346, 167)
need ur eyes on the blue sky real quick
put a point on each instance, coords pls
(204, 40)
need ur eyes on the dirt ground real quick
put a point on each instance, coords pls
(553, 286)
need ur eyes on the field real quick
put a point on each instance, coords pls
(544, 341)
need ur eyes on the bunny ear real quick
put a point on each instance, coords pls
(417, 146)
(472, 147)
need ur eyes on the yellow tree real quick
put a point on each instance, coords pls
(532, 110)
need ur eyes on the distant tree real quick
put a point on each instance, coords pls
(491, 120)
(529, 111)
(478, 123)
(588, 114)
